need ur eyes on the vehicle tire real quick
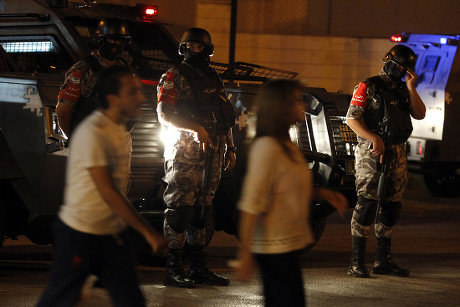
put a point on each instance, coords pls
(442, 186)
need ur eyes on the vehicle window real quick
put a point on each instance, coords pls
(428, 68)
(36, 54)
(431, 63)
(344, 138)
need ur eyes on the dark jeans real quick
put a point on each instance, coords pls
(282, 279)
(77, 255)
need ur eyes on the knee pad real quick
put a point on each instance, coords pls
(364, 212)
(358, 230)
(390, 213)
(382, 231)
(180, 218)
(199, 222)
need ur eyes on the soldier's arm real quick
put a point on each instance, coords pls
(64, 113)
(354, 119)
(360, 128)
(68, 97)
(418, 109)
(168, 117)
(230, 155)
(167, 100)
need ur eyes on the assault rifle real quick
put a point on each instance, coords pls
(385, 165)
(206, 176)
(211, 128)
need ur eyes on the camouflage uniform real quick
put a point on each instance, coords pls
(367, 98)
(77, 89)
(79, 81)
(185, 162)
(367, 179)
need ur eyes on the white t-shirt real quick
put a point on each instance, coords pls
(279, 191)
(97, 141)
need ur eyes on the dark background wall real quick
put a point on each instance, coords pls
(348, 18)
(352, 18)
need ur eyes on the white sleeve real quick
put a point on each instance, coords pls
(258, 185)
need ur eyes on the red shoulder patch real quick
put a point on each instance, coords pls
(360, 96)
(170, 76)
(167, 93)
(72, 90)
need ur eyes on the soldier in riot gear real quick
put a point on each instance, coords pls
(75, 99)
(197, 117)
(378, 101)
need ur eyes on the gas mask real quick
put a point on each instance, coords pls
(111, 48)
(394, 70)
(197, 59)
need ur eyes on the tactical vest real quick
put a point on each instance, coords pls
(208, 106)
(398, 103)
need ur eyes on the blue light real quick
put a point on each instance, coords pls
(443, 40)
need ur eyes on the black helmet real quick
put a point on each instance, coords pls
(112, 35)
(196, 35)
(112, 27)
(402, 55)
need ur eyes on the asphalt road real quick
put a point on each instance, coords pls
(426, 241)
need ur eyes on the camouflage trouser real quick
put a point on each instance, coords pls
(367, 178)
(367, 173)
(184, 180)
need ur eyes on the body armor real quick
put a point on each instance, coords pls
(398, 104)
(209, 106)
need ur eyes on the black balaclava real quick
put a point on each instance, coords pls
(394, 73)
(197, 59)
(111, 51)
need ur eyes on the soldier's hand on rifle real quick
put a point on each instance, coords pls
(230, 160)
(378, 147)
(204, 139)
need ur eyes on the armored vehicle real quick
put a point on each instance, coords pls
(434, 148)
(41, 39)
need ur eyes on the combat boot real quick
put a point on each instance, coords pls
(383, 264)
(175, 275)
(201, 274)
(357, 267)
